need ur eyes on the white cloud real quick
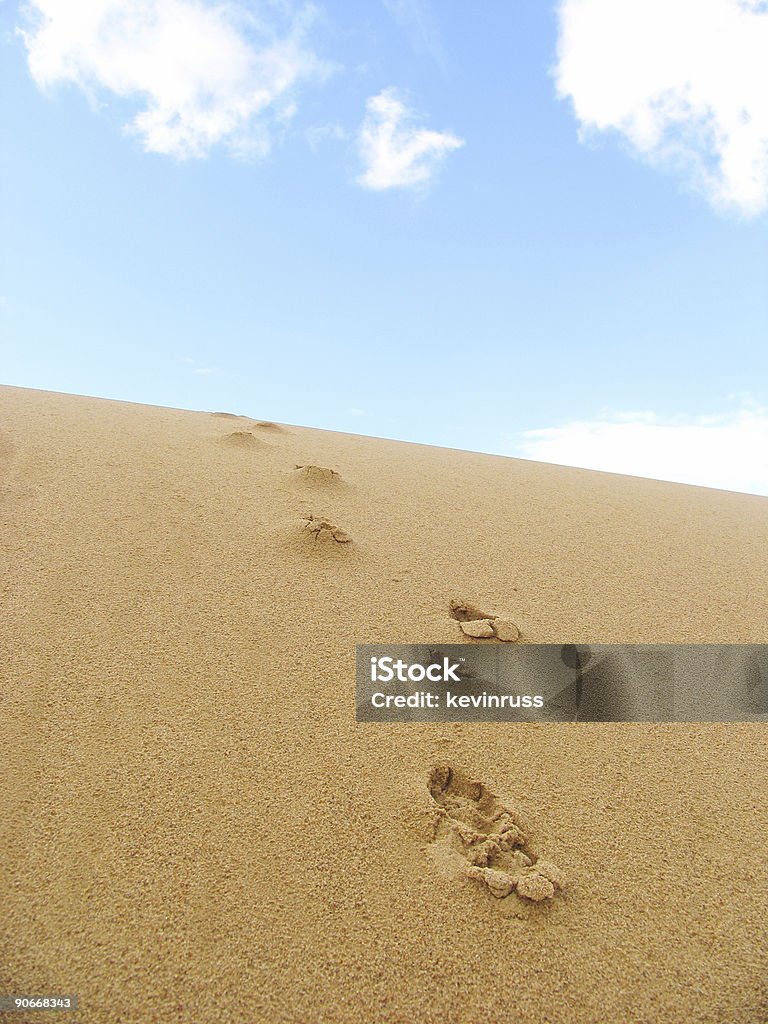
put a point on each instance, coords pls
(727, 451)
(684, 81)
(206, 73)
(395, 151)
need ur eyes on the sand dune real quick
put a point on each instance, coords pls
(193, 827)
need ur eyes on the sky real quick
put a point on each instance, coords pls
(532, 229)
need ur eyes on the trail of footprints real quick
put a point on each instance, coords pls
(247, 438)
(318, 529)
(323, 531)
(484, 833)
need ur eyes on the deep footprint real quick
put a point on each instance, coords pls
(478, 828)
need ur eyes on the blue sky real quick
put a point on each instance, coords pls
(529, 229)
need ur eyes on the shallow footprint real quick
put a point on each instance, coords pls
(242, 439)
(318, 476)
(268, 425)
(482, 625)
(485, 839)
(320, 538)
(322, 530)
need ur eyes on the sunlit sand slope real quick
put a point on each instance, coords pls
(192, 826)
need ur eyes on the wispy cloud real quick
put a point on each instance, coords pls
(204, 73)
(684, 81)
(202, 370)
(416, 19)
(318, 134)
(727, 451)
(396, 152)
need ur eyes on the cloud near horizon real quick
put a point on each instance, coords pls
(727, 451)
(205, 74)
(395, 151)
(685, 82)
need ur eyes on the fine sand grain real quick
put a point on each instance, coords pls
(193, 828)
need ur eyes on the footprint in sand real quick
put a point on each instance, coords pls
(318, 537)
(323, 531)
(268, 426)
(260, 425)
(483, 836)
(482, 625)
(242, 439)
(318, 476)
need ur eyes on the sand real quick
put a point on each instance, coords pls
(192, 825)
